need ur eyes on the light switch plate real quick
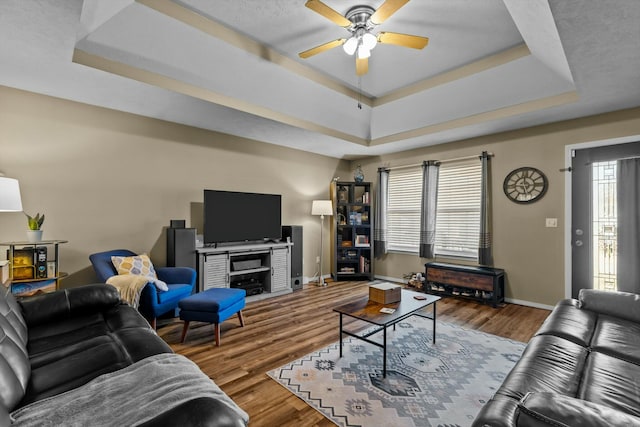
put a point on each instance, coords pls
(551, 222)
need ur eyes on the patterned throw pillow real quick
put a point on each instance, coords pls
(139, 265)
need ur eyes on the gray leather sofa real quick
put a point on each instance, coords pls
(582, 368)
(66, 342)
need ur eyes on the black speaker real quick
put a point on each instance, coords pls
(294, 233)
(177, 223)
(181, 247)
(41, 262)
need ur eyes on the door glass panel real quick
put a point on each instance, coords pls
(604, 226)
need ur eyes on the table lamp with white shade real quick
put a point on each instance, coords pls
(10, 200)
(322, 208)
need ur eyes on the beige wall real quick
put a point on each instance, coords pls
(531, 254)
(108, 180)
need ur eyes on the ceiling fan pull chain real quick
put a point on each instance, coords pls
(359, 92)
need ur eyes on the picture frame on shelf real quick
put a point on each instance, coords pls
(362, 241)
(51, 269)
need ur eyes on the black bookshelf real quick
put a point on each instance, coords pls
(352, 231)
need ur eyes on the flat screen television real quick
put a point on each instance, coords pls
(231, 216)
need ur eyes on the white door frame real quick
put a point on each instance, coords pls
(567, 198)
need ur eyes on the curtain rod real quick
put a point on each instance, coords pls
(456, 159)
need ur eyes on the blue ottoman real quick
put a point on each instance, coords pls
(212, 306)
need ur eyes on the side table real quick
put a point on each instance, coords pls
(34, 267)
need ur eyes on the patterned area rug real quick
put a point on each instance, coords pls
(444, 384)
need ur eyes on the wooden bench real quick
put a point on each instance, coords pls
(476, 282)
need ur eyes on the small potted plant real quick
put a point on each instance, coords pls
(34, 234)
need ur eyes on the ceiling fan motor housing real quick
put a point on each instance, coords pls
(359, 16)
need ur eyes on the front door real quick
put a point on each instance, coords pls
(594, 215)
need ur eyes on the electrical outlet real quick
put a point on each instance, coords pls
(551, 222)
(318, 260)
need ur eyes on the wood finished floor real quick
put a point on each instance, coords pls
(281, 329)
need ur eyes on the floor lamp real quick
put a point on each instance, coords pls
(322, 208)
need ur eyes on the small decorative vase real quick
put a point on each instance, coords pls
(34, 236)
(358, 175)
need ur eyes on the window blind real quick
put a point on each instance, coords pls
(403, 209)
(458, 209)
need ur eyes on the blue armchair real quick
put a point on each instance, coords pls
(153, 303)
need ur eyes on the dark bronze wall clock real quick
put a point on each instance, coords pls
(525, 185)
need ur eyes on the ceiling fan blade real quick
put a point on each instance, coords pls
(324, 10)
(319, 49)
(362, 66)
(406, 40)
(387, 9)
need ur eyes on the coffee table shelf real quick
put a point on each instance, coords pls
(369, 311)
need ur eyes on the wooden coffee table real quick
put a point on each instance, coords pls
(369, 311)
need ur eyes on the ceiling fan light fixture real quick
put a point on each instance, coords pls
(350, 45)
(363, 52)
(369, 41)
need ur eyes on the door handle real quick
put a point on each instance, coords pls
(578, 243)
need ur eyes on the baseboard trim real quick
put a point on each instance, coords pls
(390, 279)
(528, 303)
(306, 279)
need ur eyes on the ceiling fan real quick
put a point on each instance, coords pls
(360, 21)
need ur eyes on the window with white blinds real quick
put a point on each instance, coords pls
(403, 209)
(458, 209)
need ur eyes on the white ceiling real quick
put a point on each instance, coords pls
(232, 66)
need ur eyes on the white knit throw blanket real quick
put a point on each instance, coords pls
(128, 397)
(129, 287)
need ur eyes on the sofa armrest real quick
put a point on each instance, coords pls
(171, 275)
(624, 305)
(550, 409)
(67, 303)
(203, 411)
(500, 411)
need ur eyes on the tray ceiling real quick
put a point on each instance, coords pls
(233, 66)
